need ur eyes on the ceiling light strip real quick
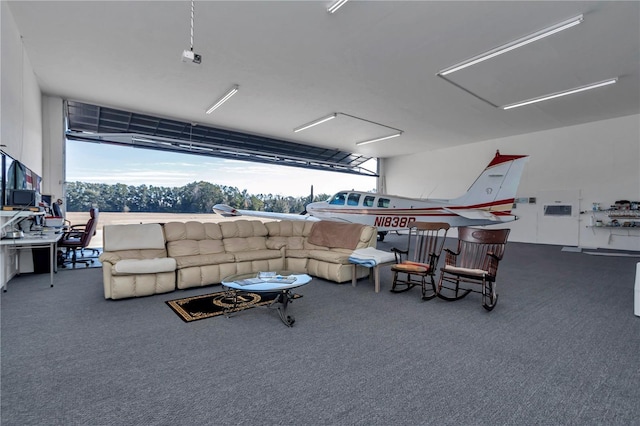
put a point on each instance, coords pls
(222, 100)
(514, 44)
(315, 122)
(378, 139)
(559, 94)
(336, 5)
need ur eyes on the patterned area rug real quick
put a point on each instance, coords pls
(216, 304)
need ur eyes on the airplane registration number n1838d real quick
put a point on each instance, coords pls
(394, 221)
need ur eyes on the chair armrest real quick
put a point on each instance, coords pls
(398, 253)
(493, 264)
(496, 257)
(433, 260)
(450, 258)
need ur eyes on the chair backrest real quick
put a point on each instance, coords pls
(90, 227)
(474, 244)
(426, 240)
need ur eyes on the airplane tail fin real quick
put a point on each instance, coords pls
(495, 189)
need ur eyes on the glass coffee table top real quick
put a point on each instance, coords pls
(275, 281)
(281, 282)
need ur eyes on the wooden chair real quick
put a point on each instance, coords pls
(420, 260)
(475, 263)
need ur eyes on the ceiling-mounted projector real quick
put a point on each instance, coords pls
(190, 56)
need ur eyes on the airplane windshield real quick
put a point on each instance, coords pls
(339, 198)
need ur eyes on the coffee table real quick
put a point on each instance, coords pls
(243, 283)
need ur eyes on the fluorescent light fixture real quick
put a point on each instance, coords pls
(222, 100)
(514, 44)
(315, 122)
(336, 5)
(379, 139)
(563, 93)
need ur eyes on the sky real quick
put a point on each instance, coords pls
(101, 163)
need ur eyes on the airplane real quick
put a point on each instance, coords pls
(488, 201)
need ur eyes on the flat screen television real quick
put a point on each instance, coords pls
(22, 197)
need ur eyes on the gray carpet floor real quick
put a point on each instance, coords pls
(562, 347)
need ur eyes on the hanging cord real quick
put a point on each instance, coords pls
(192, 8)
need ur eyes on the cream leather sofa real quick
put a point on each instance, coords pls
(208, 252)
(135, 262)
(205, 253)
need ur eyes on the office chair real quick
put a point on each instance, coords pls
(78, 238)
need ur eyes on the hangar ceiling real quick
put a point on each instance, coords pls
(376, 61)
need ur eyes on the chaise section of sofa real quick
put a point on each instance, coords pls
(321, 249)
(135, 262)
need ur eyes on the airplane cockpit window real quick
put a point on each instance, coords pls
(368, 201)
(384, 202)
(339, 198)
(353, 199)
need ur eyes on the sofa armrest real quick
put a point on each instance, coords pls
(110, 257)
(145, 266)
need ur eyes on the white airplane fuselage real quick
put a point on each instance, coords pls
(488, 201)
(399, 213)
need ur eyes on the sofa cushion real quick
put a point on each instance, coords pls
(289, 228)
(290, 243)
(145, 266)
(238, 245)
(175, 231)
(204, 260)
(116, 256)
(132, 236)
(298, 254)
(194, 247)
(331, 256)
(243, 229)
(251, 255)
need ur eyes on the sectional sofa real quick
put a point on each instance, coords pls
(145, 259)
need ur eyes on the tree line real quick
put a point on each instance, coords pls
(195, 197)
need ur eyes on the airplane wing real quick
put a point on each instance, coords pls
(479, 214)
(228, 211)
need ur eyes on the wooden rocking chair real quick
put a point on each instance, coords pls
(420, 260)
(476, 263)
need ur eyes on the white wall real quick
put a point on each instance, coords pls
(54, 147)
(21, 104)
(593, 162)
(20, 111)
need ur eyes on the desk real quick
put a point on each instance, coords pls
(35, 240)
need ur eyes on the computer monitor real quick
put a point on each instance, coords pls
(22, 197)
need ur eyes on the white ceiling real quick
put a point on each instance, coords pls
(376, 60)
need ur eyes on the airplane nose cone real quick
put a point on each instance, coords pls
(312, 206)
